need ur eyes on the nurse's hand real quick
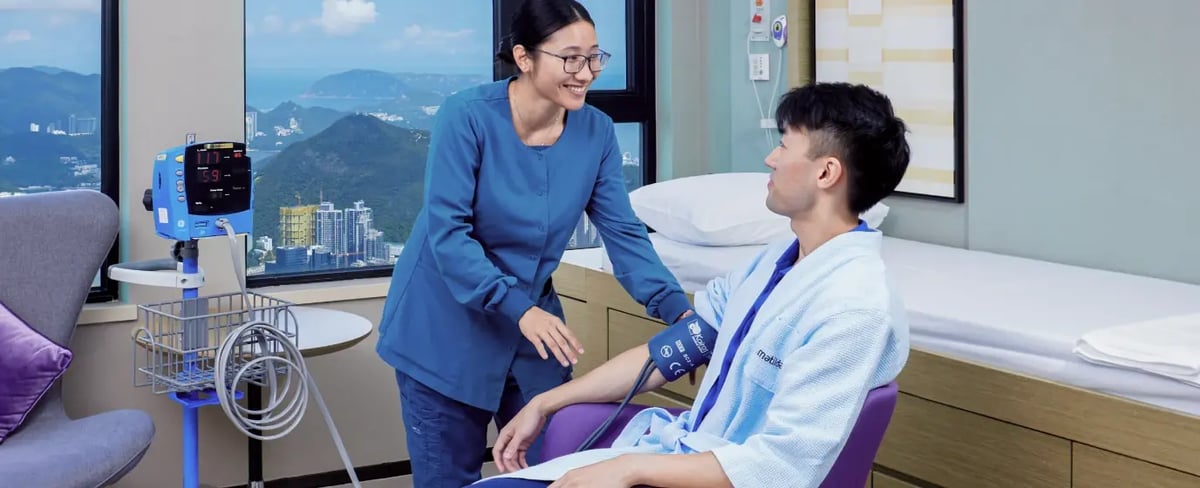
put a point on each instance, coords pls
(545, 330)
(515, 438)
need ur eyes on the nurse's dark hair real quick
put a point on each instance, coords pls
(535, 20)
(855, 124)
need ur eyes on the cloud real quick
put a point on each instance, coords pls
(19, 35)
(272, 24)
(83, 5)
(416, 36)
(344, 17)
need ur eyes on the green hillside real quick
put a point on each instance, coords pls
(359, 157)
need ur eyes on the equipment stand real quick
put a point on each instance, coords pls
(254, 449)
(189, 253)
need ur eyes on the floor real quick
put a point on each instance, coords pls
(406, 481)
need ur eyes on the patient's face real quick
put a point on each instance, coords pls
(792, 188)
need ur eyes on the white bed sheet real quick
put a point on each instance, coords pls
(1012, 313)
(1026, 315)
(695, 265)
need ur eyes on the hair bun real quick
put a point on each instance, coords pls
(504, 50)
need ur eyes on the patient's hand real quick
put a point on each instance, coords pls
(613, 473)
(516, 436)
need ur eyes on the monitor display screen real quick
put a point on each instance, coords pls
(217, 178)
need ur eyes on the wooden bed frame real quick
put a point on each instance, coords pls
(957, 423)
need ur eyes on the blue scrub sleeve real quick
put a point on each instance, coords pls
(636, 265)
(454, 158)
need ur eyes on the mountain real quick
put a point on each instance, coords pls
(358, 157)
(289, 123)
(363, 90)
(46, 95)
(40, 159)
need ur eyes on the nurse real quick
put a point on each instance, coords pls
(472, 323)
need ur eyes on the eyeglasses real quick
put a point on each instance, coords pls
(573, 63)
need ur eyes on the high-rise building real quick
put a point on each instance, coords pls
(330, 231)
(296, 225)
(358, 221)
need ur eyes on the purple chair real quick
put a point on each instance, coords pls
(570, 426)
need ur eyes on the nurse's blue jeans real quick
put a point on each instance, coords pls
(447, 439)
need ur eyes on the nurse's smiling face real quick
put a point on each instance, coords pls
(563, 67)
(801, 174)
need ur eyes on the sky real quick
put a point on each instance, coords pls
(441, 36)
(302, 36)
(60, 33)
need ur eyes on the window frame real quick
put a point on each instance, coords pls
(110, 138)
(634, 104)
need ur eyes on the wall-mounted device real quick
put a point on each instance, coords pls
(760, 67)
(759, 10)
(196, 184)
(779, 31)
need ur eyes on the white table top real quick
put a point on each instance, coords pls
(592, 257)
(324, 331)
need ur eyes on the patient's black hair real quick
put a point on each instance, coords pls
(535, 20)
(855, 124)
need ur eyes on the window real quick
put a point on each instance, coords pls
(58, 127)
(341, 94)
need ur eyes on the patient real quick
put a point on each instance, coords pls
(805, 329)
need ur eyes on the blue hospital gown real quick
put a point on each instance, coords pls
(833, 329)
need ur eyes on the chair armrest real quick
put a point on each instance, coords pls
(572, 425)
(569, 427)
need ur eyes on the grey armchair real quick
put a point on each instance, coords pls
(51, 246)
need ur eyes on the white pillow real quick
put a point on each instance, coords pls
(721, 209)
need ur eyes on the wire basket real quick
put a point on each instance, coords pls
(175, 348)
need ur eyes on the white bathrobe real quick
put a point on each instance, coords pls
(831, 330)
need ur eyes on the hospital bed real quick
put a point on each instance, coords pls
(993, 394)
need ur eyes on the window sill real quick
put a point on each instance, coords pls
(329, 291)
(303, 294)
(313, 293)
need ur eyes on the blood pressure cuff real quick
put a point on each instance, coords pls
(683, 346)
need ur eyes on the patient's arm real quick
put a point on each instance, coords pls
(668, 470)
(609, 382)
(700, 469)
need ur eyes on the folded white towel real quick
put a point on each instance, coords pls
(1168, 347)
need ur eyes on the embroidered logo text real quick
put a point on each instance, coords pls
(772, 360)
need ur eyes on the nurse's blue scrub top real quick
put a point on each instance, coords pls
(497, 217)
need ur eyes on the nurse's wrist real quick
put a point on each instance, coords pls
(515, 306)
(673, 307)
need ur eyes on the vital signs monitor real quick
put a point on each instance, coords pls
(197, 184)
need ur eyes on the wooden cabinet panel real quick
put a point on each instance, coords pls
(954, 448)
(571, 281)
(1095, 468)
(880, 480)
(592, 334)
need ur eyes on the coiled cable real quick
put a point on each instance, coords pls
(275, 351)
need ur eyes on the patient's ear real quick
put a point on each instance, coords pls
(831, 171)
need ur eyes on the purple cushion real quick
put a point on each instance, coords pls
(29, 365)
